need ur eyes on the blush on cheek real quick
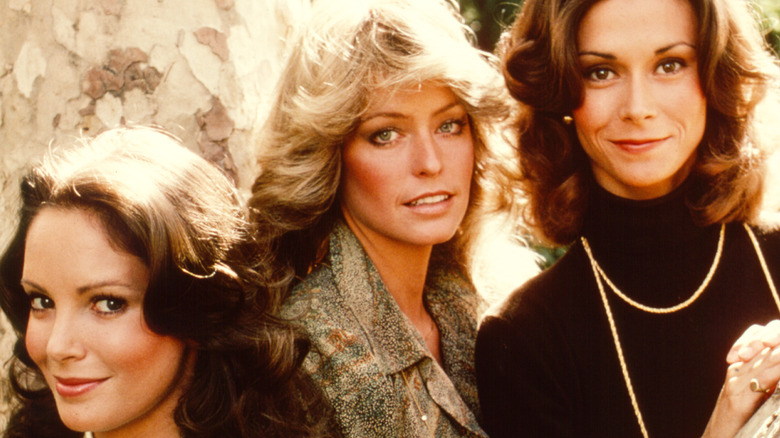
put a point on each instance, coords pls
(35, 342)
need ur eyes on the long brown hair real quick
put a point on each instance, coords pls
(736, 71)
(182, 217)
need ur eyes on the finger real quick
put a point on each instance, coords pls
(770, 335)
(741, 343)
(748, 352)
(762, 337)
(765, 367)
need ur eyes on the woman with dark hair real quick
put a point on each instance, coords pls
(376, 163)
(131, 283)
(644, 144)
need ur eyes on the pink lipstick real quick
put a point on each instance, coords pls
(76, 387)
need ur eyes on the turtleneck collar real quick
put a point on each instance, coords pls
(631, 227)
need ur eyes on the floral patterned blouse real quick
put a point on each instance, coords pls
(370, 360)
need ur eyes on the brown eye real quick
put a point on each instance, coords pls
(600, 74)
(667, 67)
(109, 305)
(40, 302)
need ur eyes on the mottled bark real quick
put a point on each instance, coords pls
(203, 69)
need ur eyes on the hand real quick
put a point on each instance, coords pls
(758, 358)
(755, 339)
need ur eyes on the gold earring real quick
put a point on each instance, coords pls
(568, 120)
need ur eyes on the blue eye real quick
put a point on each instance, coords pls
(383, 136)
(452, 127)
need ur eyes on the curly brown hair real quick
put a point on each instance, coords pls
(736, 70)
(182, 217)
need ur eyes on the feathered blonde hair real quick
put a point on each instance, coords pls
(346, 50)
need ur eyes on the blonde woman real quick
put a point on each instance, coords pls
(374, 161)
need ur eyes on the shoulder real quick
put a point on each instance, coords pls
(449, 283)
(316, 306)
(312, 295)
(551, 291)
(340, 347)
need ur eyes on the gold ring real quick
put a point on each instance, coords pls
(756, 387)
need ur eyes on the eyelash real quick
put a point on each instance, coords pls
(589, 72)
(680, 64)
(98, 298)
(45, 303)
(34, 296)
(459, 122)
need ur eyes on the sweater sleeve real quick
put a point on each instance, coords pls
(527, 384)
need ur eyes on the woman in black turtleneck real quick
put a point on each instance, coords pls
(645, 156)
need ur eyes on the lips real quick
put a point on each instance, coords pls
(74, 387)
(638, 143)
(429, 199)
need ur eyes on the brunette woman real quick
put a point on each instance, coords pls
(644, 146)
(131, 284)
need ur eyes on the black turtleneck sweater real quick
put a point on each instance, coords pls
(547, 364)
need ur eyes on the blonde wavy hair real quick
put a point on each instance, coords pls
(344, 52)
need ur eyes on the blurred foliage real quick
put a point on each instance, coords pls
(549, 255)
(489, 17)
(771, 11)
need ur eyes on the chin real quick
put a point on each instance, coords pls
(435, 237)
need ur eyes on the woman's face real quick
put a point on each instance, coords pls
(407, 168)
(643, 112)
(86, 330)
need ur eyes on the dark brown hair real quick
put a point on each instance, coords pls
(542, 71)
(182, 217)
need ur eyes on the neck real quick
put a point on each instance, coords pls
(618, 225)
(403, 268)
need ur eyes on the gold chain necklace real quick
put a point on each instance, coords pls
(598, 274)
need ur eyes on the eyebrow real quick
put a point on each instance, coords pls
(394, 115)
(83, 289)
(660, 51)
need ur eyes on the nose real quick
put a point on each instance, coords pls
(639, 102)
(65, 339)
(427, 158)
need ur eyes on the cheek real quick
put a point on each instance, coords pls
(690, 108)
(149, 350)
(588, 117)
(366, 180)
(156, 358)
(36, 338)
(465, 165)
